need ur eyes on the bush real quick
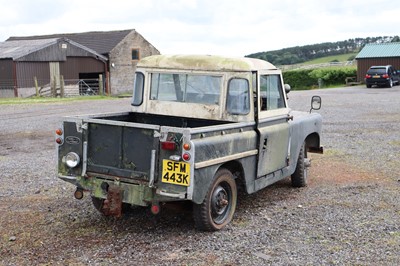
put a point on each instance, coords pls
(299, 79)
(308, 78)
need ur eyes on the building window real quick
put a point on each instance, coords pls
(135, 54)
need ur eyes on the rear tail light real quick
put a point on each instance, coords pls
(168, 145)
(59, 136)
(186, 146)
(385, 76)
(186, 156)
(368, 76)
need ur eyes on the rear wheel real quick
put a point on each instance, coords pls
(390, 84)
(299, 177)
(369, 85)
(218, 207)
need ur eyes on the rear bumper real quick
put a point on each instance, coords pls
(140, 194)
(377, 82)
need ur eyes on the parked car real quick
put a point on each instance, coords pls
(382, 76)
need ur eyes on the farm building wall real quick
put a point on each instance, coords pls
(6, 78)
(26, 73)
(363, 64)
(122, 67)
(71, 68)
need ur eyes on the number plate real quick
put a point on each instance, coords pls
(177, 173)
(376, 76)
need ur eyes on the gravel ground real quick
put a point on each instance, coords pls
(348, 215)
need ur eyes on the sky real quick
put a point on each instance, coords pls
(215, 27)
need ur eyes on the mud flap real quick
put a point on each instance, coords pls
(112, 206)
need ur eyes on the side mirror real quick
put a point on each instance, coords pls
(287, 88)
(316, 102)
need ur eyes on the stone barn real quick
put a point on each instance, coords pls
(122, 48)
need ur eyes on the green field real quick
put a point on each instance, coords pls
(327, 59)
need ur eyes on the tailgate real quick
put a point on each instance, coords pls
(121, 149)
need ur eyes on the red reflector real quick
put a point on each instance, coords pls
(155, 209)
(168, 145)
(59, 140)
(186, 156)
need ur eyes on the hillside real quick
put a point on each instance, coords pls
(300, 54)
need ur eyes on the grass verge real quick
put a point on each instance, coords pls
(36, 100)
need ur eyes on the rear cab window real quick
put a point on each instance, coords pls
(188, 88)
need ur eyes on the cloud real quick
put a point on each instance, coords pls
(226, 27)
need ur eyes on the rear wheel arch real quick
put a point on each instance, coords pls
(236, 168)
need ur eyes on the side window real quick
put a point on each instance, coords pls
(238, 98)
(137, 98)
(271, 92)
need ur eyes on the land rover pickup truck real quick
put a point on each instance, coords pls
(199, 129)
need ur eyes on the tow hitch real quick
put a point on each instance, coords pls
(112, 206)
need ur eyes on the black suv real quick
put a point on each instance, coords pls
(382, 76)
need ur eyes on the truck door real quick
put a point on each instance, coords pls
(273, 126)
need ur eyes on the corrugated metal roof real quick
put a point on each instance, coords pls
(378, 50)
(17, 49)
(100, 41)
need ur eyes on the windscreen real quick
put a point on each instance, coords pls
(188, 88)
(381, 70)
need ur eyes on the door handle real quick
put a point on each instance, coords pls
(289, 117)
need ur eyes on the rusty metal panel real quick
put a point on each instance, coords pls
(364, 64)
(112, 206)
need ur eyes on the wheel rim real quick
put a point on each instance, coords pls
(221, 203)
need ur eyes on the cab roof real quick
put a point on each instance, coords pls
(204, 62)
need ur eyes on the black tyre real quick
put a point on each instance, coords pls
(219, 205)
(390, 83)
(369, 85)
(299, 177)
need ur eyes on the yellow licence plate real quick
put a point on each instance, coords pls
(177, 173)
(376, 76)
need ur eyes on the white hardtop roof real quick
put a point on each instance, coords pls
(204, 62)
